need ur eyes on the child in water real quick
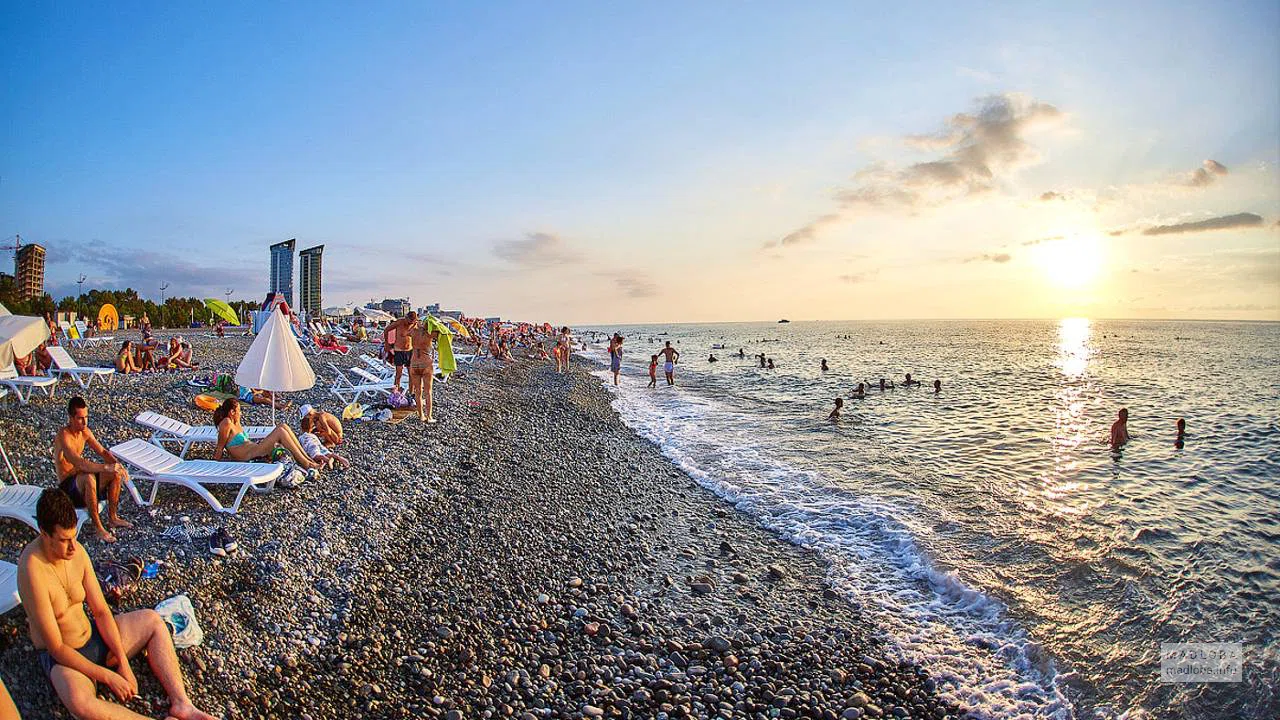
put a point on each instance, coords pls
(653, 371)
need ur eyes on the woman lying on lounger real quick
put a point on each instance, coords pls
(235, 441)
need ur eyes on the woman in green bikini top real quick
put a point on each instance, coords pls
(234, 441)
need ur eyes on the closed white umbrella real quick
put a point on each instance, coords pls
(19, 335)
(4, 310)
(275, 361)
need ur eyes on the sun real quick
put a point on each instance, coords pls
(1073, 261)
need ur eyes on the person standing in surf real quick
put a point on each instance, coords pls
(615, 356)
(653, 371)
(670, 357)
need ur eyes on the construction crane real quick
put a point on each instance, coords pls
(15, 247)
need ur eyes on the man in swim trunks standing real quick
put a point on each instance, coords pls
(1120, 429)
(55, 580)
(403, 342)
(83, 480)
(421, 370)
(670, 356)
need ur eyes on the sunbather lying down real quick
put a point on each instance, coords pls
(234, 441)
(262, 397)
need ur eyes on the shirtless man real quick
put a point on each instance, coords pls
(403, 343)
(55, 579)
(421, 368)
(1120, 429)
(85, 481)
(327, 427)
(670, 356)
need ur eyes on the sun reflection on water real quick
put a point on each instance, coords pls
(1060, 491)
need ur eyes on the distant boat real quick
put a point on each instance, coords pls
(783, 320)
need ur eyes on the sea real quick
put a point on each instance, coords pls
(988, 529)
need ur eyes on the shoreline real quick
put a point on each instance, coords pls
(528, 556)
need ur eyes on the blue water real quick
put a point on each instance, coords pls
(988, 529)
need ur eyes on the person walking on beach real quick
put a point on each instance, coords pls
(83, 480)
(55, 581)
(670, 356)
(403, 344)
(564, 344)
(1120, 429)
(615, 356)
(421, 368)
(653, 371)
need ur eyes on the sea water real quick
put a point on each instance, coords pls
(988, 528)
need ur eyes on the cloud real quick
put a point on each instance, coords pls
(975, 152)
(1226, 222)
(858, 277)
(144, 270)
(1206, 175)
(536, 250)
(999, 258)
(1031, 243)
(1051, 195)
(634, 284)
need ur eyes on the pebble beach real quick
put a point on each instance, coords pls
(528, 556)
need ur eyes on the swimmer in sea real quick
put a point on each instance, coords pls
(885, 384)
(859, 392)
(835, 414)
(1182, 433)
(762, 365)
(937, 386)
(909, 382)
(1120, 429)
(770, 363)
(712, 358)
(824, 365)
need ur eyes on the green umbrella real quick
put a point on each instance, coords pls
(222, 310)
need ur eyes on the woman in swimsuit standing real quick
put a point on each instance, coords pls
(420, 368)
(233, 440)
(615, 356)
(563, 346)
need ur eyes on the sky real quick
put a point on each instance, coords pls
(602, 162)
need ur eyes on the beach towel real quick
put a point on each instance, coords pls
(444, 346)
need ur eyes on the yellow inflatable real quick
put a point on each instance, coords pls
(108, 318)
(207, 402)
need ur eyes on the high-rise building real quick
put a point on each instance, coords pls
(309, 272)
(282, 269)
(28, 271)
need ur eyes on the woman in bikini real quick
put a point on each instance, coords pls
(420, 368)
(125, 363)
(234, 441)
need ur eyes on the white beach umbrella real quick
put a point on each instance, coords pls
(339, 311)
(373, 314)
(4, 310)
(19, 335)
(275, 361)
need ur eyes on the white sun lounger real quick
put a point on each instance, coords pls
(149, 462)
(83, 329)
(18, 502)
(165, 429)
(9, 598)
(349, 392)
(378, 366)
(9, 378)
(66, 366)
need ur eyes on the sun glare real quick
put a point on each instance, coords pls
(1072, 262)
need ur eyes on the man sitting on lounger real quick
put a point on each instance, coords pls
(55, 580)
(83, 480)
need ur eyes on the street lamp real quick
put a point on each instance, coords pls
(80, 291)
(162, 302)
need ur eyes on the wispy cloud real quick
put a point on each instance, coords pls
(634, 284)
(144, 270)
(999, 258)
(1051, 195)
(854, 278)
(974, 153)
(1226, 222)
(1037, 241)
(537, 250)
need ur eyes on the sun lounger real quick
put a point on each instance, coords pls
(8, 587)
(349, 392)
(150, 462)
(65, 365)
(18, 502)
(165, 429)
(378, 366)
(92, 341)
(9, 378)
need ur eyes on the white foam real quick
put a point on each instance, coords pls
(980, 659)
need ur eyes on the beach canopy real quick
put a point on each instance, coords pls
(222, 310)
(19, 336)
(339, 311)
(275, 361)
(374, 314)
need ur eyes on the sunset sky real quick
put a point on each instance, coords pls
(628, 162)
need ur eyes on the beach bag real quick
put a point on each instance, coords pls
(181, 619)
(398, 399)
(117, 579)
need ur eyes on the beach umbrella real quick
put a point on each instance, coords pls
(339, 311)
(4, 310)
(462, 329)
(222, 310)
(19, 335)
(275, 361)
(374, 314)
